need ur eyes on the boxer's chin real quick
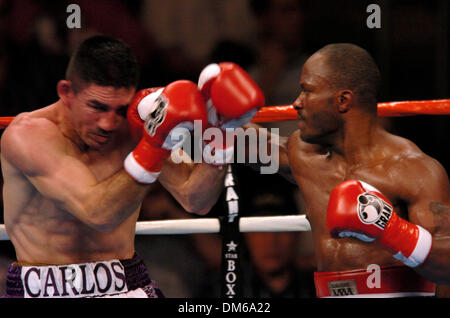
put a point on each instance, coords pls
(95, 142)
(307, 137)
(314, 138)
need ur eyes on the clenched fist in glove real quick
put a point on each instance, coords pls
(153, 116)
(232, 99)
(356, 209)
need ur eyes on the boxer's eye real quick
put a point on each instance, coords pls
(305, 88)
(122, 111)
(99, 108)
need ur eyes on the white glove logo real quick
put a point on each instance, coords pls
(157, 116)
(373, 210)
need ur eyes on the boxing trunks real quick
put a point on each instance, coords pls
(114, 278)
(383, 281)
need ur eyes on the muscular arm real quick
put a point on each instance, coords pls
(276, 149)
(44, 156)
(429, 207)
(437, 266)
(196, 186)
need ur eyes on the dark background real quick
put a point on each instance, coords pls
(175, 39)
(411, 47)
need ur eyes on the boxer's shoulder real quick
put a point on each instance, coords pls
(413, 172)
(27, 128)
(29, 137)
(405, 155)
(43, 118)
(400, 144)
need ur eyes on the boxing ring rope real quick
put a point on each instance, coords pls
(387, 109)
(276, 223)
(286, 223)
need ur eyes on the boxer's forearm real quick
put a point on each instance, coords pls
(263, 149)
(436, 267)
(107, 204)
(203, 188)
(195, 186)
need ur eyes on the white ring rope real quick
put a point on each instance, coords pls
(286, 223)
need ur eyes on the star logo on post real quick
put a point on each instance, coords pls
(231, 246)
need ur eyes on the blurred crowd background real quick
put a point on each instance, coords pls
(175, 39)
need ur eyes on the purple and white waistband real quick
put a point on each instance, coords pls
(113, 278)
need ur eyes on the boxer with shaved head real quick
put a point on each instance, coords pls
(378, 206)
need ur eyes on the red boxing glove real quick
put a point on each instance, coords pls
(158, 115)
(356, 209)
(232, 99)
(135, 120)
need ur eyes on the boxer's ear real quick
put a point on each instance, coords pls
(65, 92)
(344, 100)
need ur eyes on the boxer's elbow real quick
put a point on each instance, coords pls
(196, 203)
(198, 195)
(196, 207)
(97, 219)
(100, 223)
(103, 227)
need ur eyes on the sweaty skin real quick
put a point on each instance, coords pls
(396, 173)
(67, 198)
(338, 141)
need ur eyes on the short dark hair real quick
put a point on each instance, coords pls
(104, 61)
(353, 68)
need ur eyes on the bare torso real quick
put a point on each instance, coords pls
(43, 232)
(318, 171)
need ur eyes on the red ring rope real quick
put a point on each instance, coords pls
(388, 109)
